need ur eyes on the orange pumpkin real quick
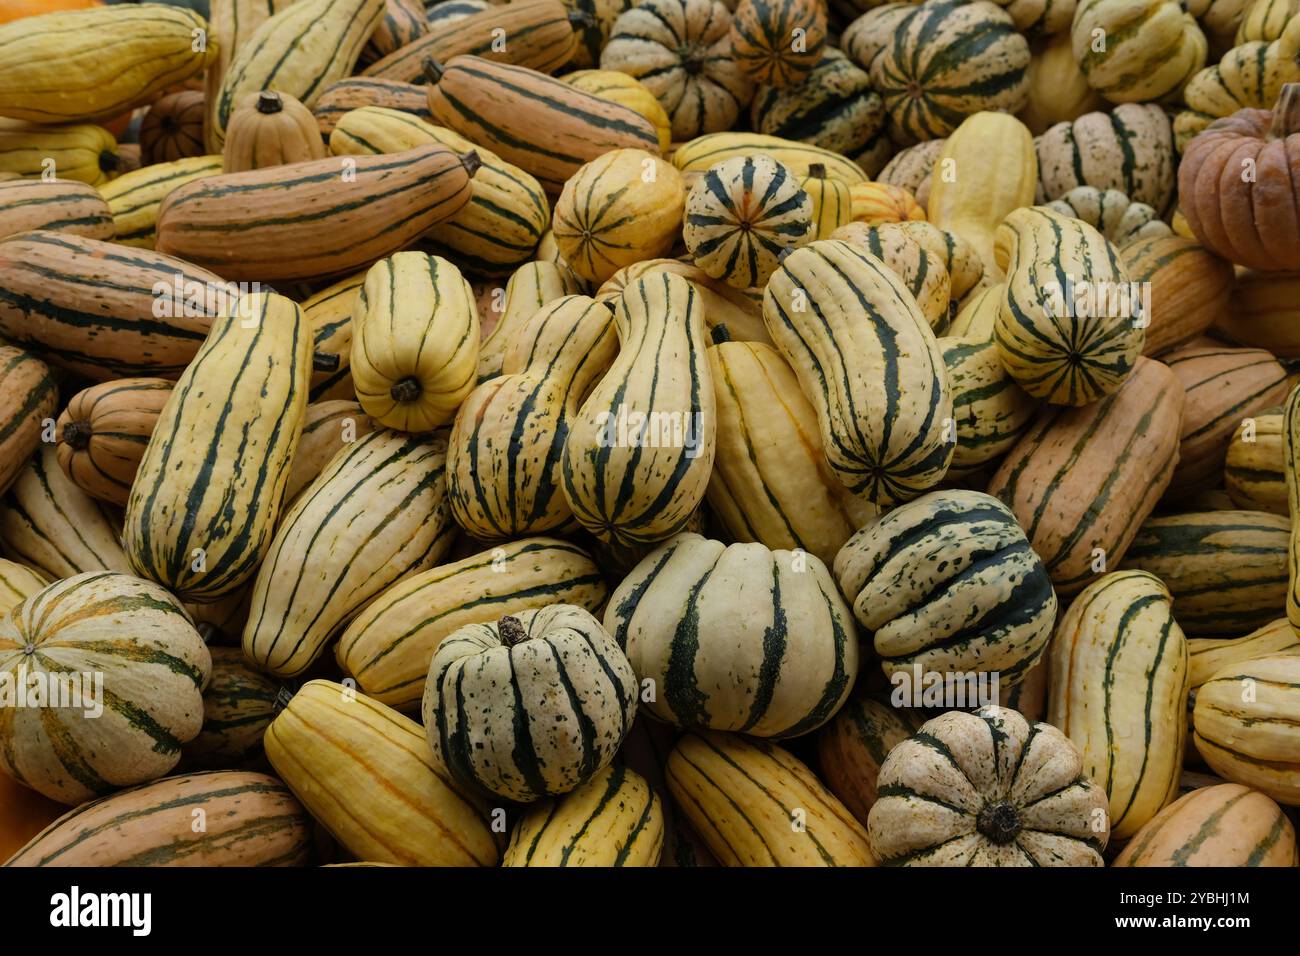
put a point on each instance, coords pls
(11, 10)
(23, 814)
(173, 128)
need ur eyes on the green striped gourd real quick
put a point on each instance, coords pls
(357, 92)
(329, 316)
(365, 773)
(135, 198)
(778, 42)
(1247, 725)
(1060, 338)
(327, 429)
(958, 256)
(300, 51)
(738, 311)
(17, 582)
(377, 513)
(50, 524)
(1264, 20)
(990, 411)
(532, 705)
(1226, 570)
(403, 22)
(948, 60)
(540, 124)
(921, 269)
(736, 637)
(1189, 287)
(532, 286)
(1112, 214)
(505, 449)
(851, 748)
(912, 167)
(866, 37)
(231, 24)
(56, 205)
(832, 206)
(1119, 691)
(1081, 481)
(125, 726)
(29, 396)
(621, 88)
(103, 311)
(614, 819)
(1223, 825)
(1208, 655)
(770, 481)
(500, 226)
(879, 384)
(387, 647)
(948, 582)
(207, 495)
(630, 485)
(103, 432)
(755, 804)
(1254, 471)
(239, 703)
(704, 152)
(1150, 48)
(1130, 148)
(251, 819)
(987, 789)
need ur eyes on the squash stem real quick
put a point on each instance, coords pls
(407, 390)
(999, 823)
(432, 69)
(511, 630)
(268, 101)
(77, 435)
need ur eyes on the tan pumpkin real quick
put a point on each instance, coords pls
(1189, 288)
(103, 432)
(270, 129)
(1223, 825)
(173, 128)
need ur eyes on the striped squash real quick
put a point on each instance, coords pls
(135, 198)
(239, 703)
(299, 50)
(911, 169)
(1150, 49)
(327, 428)
(959, 259)
(173, 127)
(415, 342)
(1264, 20)
(1223, 825)
(1081, 481)
(125, 726)
(358, 92)
(207, 495)
(1208, 655)
(620, 88)
(230, 25)
(832, 204)
(614, 819)
(365, 773)
(990, 411)
(871, 27)
(48, 523)
(329, 316)
(879, 203)
(55, 68)
(987, 789)
(920, 268)
(17, 582)
(532, 286)
(1223, 386)
(742, 216)
(681, 51)
(704, 152)
(29, 395)
(1226, 570)
(977, 314)
(540, 124)
(530, 706)
(710, 627)
(770, 481)
(778, 42)
(1112, 214)
(55, 205)
(1058, 90)
(619, 209)
(265, 224)
(505, 450)
(1263, 313)
(631, 485)
(103, 432)
(593, 32)
(388, 646)
(739, 312)
(1254, 471)
(377, 514)
(754, 804)
(1189, 288)
(500, 226)
(1119, 641)
(949, 583)
(270, 129)
(851, 748)
(1130, 148)
(1247, 725)
(250, 819)
(403, 23)
(879, 385)
(80, 152)
(949, 60)
(221, 622)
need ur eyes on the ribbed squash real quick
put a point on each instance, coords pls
(977, 314)
(949, 583)
(736, 637)
(1133, 52)
(704, 152)
(415, 342)
(270, 129)
(910, 169)
(230, 25)
(921, 270)
(1254, 471)
(851, 748)
(504, 453)
(1208, 655)
(1131, 149)
(56, 205)
(239, 703)
(532, 286)
(617, 210)
(1058, 90)
(1189, 288)
(872, 29)
(206, 496)
(127, 724)
(1264, 19)
(358, 92)
(173, 128)
(990, 411)
(377, 514)
(832, 204)
(729, 313)
(1264, 313)
(531, 705)
(103, 432)
(249, 819)
(777, 42)
(403, 22)
(134, 198)
(29, 396)
(987, 789)
(1224, 825)
(366, 775)
(387, 648)
(1112, 214)
(614, 819)
(875, 204)
(1082, 480)
(620, 88)
(958, 257)
(742, 216)
(879, 385)
(329, 316)
(1039, 17)
(770, 481)
(81, 152)
(754, 804)
(17, 582)
(1291, 466)
(630, 485)
(1119, 641)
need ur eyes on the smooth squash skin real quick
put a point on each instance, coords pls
(852, 747)
(135, 198)
(1223, 825)
(57, 205)
(104, 431)
(29, 394)
(531, 286)
(703, 152)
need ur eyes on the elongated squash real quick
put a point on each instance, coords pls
(1208, 655)
(357, 92)
(366, 775)
(729, 313)
(1254, 471)
(55, 205)
(327, 428)
(28, 397)
(207, 495)
(329, 315)
(377, 514)
(17, 583)
(620, 88)
(990, 411)
(1189, 288)
(634, 485)
(1223, 825)
(231, 23)
(921, 269)
(81, 152)
(103, 432)
(532, 286)
(135, 198)
(700, 154)
(851, 748)
(879, 385)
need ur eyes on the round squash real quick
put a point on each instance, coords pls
(239, 703)
(270, 129)
(921, 269)
(532, 705)
(1112, 214)
(910, 169)
(778, 42)
(593, 32)
(173, 128)
(103, 432)
(878, 203)
(1131, 149)
(622, 89)
(1132, 52)
(1223, 825)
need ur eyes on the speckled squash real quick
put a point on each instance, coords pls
(622, 89)
(990, 411)
(1149, 51)
(1223, 825)
(239, 703)
(778, 42)
(1131, 149)
(1254, 472)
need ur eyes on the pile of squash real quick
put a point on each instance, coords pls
(650, 432)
